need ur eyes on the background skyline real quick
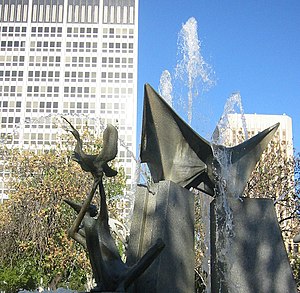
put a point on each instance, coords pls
(252, 47)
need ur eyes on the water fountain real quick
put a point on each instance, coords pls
(247, 250)
(160, 255)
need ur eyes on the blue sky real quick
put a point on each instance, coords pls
(252, 46)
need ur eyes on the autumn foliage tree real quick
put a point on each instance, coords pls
(35, 248)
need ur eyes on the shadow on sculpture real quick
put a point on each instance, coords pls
(91, 228)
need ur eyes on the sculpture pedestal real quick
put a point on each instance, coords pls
(166, 212)
(253, 258)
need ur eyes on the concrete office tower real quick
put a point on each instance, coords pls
(70, 57)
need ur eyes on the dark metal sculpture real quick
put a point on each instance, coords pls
(242, 258)
(91, 228)
(174, 151)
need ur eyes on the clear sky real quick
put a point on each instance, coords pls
(252, 46)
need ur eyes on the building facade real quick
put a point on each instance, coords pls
(72, 58)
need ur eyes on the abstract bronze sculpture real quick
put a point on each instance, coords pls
(244, 233)
(91, 228)
(174, 151)
(247, 250)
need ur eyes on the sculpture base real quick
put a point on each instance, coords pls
(248, 252)
(166, 212)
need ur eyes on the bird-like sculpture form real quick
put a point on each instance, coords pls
(91, 228)
(97, 164)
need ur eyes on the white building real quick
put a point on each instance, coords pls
(256, 123)
(70, 57)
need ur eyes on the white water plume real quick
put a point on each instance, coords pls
(165, 87)
(192, 68)
(233, 105)
(225, 232)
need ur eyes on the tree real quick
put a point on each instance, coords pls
(34, 221)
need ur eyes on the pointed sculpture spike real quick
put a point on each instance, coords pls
(77, 207)
(170, 147)
(175, 152)
(241, 160)
(74, 205)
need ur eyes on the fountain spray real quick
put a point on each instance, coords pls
(192, 66)
(165, 87)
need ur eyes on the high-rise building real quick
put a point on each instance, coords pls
(68, 57)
